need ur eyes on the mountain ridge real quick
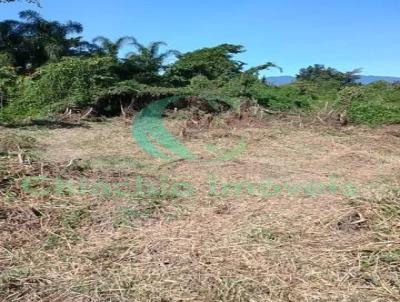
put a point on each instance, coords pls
(365, 79)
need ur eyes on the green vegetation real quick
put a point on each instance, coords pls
(45, 69)
(29, 1)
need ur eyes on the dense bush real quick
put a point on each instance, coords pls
(8, 76)
(44, 70)
(283, 98)
(377, 103)
(72, 82)
(320, 72)
(374, 113)
(212, 63)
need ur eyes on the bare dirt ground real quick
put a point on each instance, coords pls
(205, 243)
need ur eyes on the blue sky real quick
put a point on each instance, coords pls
(291, 33)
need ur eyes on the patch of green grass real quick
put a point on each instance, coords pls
(382, 205)
(144, 208)
(370, 259)
(383, 216)
(72, 219)
(336, 133)
(13, 277)
(391, 257)
(116, 162)
(80, 165)
(67, 231)
(18, 272)
(129, 216)
(232, 289)
(52, 241)
(263, 234)
(80, 287)
(62, 237)
(13, 141)
(17, 142)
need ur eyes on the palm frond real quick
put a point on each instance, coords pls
(73, 27)
(125, 40)
(265, 66)
(154, 47)
(168, 53)
(101, 40)
(140, 47)
(30, 15)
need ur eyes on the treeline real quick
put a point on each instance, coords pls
(47, 67)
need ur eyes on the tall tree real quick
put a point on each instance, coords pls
(211, 62)
(107, 47)
(35, 41)
(319, 72)
(148, 62)
(37, 2)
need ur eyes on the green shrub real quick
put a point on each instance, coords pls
(349, 95)
(72, 82)
(380, 104)
(374, 113)
(8, 77)
(377, 103)
(11, 142)
(284, 98)
(76, 82)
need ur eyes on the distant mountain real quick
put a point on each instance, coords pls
(281, 80)
(365, 79)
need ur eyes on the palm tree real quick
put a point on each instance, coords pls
(107, 47)
(35, 41)
(50, 36)
(148, 62)
(37, 2)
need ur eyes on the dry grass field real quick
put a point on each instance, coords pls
(175, 244)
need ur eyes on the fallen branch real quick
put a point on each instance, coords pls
(269, 111)
(87, 113)
(19, 155)
(123, 113)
